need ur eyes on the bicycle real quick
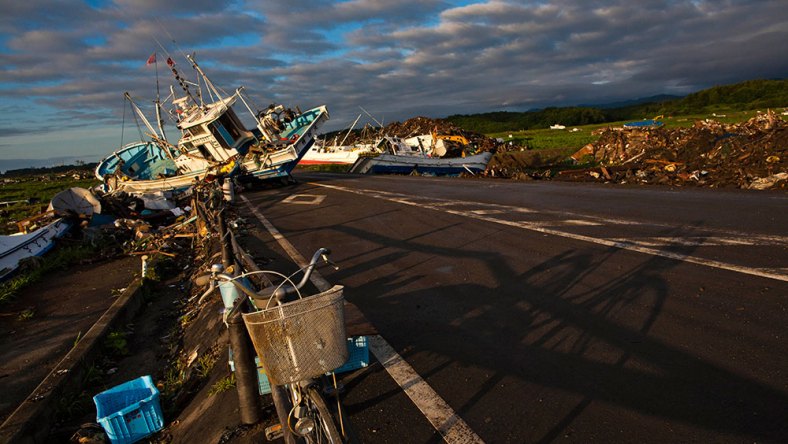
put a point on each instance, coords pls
(298, 341)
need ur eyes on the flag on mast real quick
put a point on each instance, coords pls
(151, 59)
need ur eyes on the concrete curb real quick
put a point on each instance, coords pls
(31, 422)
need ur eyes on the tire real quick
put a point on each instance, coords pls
(326, 426)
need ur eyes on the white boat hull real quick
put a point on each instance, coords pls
(399, 164)
(16, 247)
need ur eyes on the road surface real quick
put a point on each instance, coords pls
(546, 312)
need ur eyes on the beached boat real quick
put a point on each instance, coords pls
(213, 141)
(322, 153)
(400, 158)
(333, 154)
(19, 246)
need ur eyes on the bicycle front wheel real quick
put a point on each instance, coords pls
(325, 427)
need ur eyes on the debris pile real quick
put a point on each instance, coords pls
(417, 126)
(749, 155)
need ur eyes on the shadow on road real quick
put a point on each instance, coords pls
(571, 335)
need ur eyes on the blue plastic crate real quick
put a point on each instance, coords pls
(358, 354)
(130, 411)
(263, 386)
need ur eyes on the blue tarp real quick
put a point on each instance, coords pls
(643, 124)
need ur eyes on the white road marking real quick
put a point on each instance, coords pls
(432, 406)
(539, 227)
(451, 427)
(305, 199)
(689, 241)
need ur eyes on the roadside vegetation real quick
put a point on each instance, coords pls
(39, 267)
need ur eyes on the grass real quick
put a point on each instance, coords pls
(116, 344)
(205, 364)
(567, 141)
(26, 314)
(35, 192)
(541, 139)
(222, 385)
(174, 377)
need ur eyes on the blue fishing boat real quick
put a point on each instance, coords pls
(213, 140)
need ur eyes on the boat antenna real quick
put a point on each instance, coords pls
(370, 116)
(349, 130)
(208, 84)
(123, 127)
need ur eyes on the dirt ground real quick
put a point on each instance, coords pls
(62, 308)
(181, 345)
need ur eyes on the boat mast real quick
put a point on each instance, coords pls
(212, 89)
(140, 114)
(158, 118)
(156, 139)
(157, 102)
(348, 131)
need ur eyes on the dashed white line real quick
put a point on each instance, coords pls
(541, 228)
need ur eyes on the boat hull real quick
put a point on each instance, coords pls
(14, 248)
(334, 155)
(398, 164)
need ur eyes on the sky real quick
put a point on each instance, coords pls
(66, 64)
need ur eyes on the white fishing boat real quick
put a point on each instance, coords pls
(213, 140)
(17, 247)
(322, 153)
(335, 155)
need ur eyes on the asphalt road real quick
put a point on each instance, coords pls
(545, 312)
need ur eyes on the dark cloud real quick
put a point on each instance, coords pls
(71, 64)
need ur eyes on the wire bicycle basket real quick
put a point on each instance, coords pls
(301, 339)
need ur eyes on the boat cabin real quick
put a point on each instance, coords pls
(213, 132)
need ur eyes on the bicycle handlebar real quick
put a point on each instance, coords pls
(280, 292)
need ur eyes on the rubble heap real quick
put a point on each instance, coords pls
(749, 155)
(417, 126)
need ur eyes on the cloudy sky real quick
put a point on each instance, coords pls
(66, 64)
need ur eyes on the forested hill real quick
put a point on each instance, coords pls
(752, 94)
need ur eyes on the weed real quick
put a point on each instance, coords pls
(116, 344)
(76, 341)
(222, 385)
(173, 378)
(204, 364)
(26, 314)
(9, 289)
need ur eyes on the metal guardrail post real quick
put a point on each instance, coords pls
(250, 409)
(246, 385)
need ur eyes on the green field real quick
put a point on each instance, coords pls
(571, 141)
(35, 192)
